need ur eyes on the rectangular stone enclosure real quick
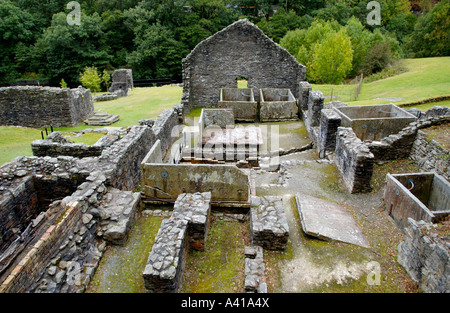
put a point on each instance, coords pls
(34, 106)
(374, 122)
(241, 101)
(277, 105)
(421, 196)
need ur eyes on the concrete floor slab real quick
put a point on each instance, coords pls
(328, 221)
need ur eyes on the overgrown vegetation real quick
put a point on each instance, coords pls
(151, 37)
(220, 267)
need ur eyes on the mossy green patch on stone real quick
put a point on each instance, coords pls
(220, 268)
(121, 268)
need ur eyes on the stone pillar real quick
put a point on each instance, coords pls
(268, 224)
(254, 270)
(354, 160)
(303, 95)
(196, 209)
(315, 105)
(329, 123)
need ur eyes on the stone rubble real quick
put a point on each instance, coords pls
(254, 270)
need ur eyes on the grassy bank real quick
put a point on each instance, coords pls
(425, 78)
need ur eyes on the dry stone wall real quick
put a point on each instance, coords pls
(34, 106)
(425, 256)
(354, 160)
(268, 224)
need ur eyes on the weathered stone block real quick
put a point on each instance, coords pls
(44, 106)
(268, 224)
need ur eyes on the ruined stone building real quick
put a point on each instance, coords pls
(239, 50)
(60, 208)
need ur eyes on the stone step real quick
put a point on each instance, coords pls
(102, 119)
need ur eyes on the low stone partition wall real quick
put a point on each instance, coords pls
(55, 145)
(64, 258)
(428, 155)
(254, 270)
(34, 106)
(164, 182)
(196, 209)
(425, 256)
(166, 129)
(268, 224)
(123, 158)
(354, 160)
(186, 228)
(166, 262)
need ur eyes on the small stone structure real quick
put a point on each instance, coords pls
(196, 208)
(425, 256)
(254, 270)
(241, 101)
(165, 264)
(102, 119)
(277, 104)
(268, 224)
(375, 122)
(34, 106)
(186, 228)
(421, 196)
(354, 160)
(428, 155)
(55, 145)
(239, 50)
(122, 80)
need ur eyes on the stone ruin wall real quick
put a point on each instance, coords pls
(239, 50)
(425, 255)
(33, 106)
(69, 239)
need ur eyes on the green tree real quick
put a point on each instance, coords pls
(282, 22)
(106, 79)
(431, 36)
(63, 83)
(359, 37)
(91, 79)
(118, 37)
(332, 58)
(16, 33)
(67, 49)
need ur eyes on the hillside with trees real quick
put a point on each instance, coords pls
(332, 38)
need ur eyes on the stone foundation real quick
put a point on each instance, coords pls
(186, 228)
(254, 270)
(268, 224)
(354, 160)
(196, 209)
(33, 106)
(425, 256)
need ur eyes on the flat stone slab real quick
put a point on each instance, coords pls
(328, 221)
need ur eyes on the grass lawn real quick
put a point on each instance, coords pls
(141, 103)
(425, 78)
